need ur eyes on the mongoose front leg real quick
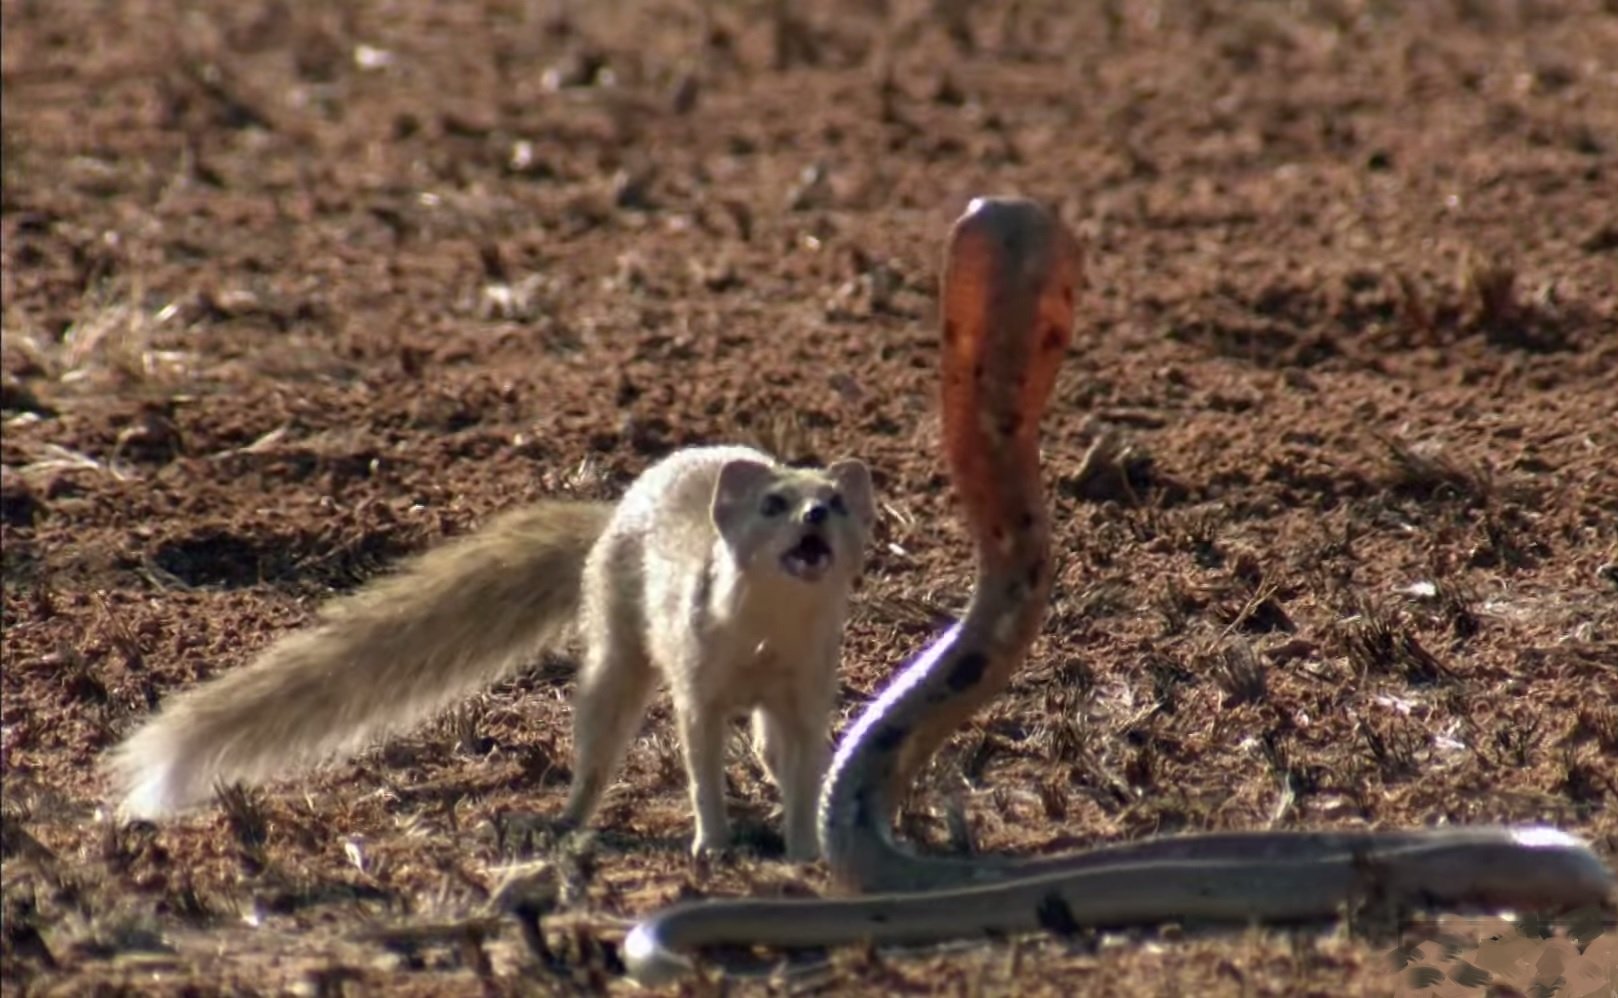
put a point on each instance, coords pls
(792, 740)
(702, 735)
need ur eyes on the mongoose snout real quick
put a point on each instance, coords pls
(812, 556)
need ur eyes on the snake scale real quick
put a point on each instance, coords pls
(1011, 274)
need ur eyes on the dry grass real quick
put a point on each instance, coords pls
(1380, 639)
(1427, 470)
(117, 341)
(1240, 673)
(1486, 298)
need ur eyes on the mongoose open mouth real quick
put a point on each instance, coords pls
(809, 558)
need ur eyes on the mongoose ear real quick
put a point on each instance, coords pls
(853, 479)
(735, 494)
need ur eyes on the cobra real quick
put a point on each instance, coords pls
(1011, 273)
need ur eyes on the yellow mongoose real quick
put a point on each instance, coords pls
(722, 570)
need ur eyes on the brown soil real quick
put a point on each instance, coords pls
(290, 292)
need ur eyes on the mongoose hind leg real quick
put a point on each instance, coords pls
(615, 685)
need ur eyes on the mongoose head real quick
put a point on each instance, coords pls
(810, 523)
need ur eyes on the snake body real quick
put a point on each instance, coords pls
(1011, 274)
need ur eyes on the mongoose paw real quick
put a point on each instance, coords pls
(705, 855)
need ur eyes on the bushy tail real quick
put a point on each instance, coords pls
(449, 622)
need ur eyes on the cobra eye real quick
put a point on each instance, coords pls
(837, 505)
(774, 505)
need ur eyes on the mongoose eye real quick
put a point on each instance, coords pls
(774, 505)
(837, 505)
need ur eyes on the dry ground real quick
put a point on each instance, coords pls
(290, 291)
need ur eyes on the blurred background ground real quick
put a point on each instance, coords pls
(291, 291)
